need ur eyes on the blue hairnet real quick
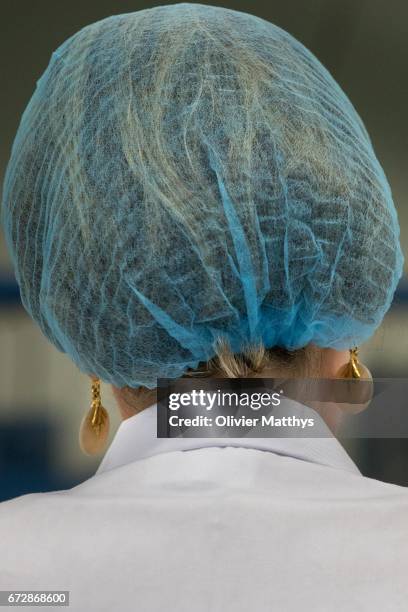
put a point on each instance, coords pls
(188, 172)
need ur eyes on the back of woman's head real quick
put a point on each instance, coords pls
(186, 173)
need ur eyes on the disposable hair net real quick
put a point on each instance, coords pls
(188, 172)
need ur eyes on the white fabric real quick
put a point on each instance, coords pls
(185, 525)
(136, 439)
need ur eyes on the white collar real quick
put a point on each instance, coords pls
(136, 439)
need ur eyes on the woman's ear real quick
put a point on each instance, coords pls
(331, 362)
(125, 410)
(131, 401)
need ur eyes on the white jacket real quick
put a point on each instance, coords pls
(203, 525)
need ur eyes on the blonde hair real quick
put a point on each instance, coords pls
(251, 362)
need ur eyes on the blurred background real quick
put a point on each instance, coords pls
(43, 396)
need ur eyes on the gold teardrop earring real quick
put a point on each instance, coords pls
(359, 393)
(94, 429)
(353, 368)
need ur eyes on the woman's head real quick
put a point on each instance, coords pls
(186, 173)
